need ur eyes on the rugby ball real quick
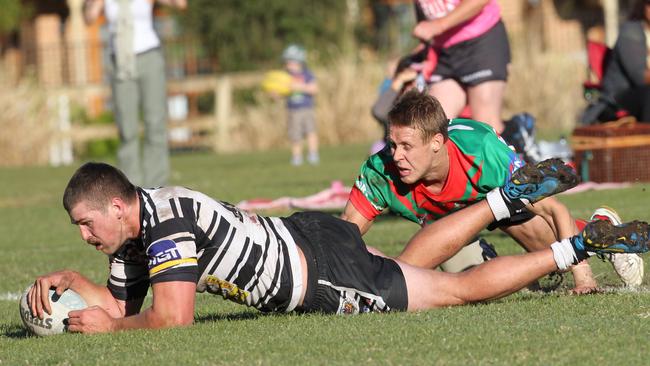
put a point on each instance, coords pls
(277, 82)
(55, 323)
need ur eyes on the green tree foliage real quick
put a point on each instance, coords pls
(250, 34)
(11, 14)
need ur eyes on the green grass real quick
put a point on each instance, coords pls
(525, 328)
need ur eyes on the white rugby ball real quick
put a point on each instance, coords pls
(55, 323)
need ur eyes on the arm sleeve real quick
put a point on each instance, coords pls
(361, 203)
(369, 194)
(498, 163)
(631, 51)
(128, 279)
(172, 254)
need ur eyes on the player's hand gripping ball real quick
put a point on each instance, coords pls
(56, 323)
(277, 82)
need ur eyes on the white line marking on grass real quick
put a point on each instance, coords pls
(15, 296)
(10, 296)
(625, 290)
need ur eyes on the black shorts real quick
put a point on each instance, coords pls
(476, 60)
(344, 278)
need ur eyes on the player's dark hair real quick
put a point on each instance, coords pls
(420, 111)
(97, 184)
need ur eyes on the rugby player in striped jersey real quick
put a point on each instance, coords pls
(178, 242)
(435, 166)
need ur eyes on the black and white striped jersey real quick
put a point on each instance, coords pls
(188, 236)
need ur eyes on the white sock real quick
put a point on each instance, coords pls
(564, 254)
(497, 205)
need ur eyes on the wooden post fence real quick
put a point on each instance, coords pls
(212, 131)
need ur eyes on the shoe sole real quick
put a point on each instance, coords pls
(601, 236)
(544, 179)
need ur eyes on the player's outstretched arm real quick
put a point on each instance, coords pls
(351, 214)
(91, 292)
(173, 305)
(558, 217)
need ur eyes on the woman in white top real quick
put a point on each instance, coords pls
(137, 71)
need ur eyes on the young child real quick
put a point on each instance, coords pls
(300, 106)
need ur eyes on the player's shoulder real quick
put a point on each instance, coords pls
(164, 194)
(381, 162)
(470, 133)
(469, 126)
(175, 203)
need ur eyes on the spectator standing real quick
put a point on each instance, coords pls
(137, 78)
(626, 81)
(301, 122)
(472, 51)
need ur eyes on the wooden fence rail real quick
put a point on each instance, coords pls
(210, 131)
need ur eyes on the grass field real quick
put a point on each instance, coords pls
(524, 328)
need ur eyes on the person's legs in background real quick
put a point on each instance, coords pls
(295, 133)
(125, 106)
(302, 126)
(312, 144)
(153, 89)
(309, 123)
(485, 101)
(451, 96)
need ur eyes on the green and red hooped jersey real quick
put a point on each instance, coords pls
(479, 160)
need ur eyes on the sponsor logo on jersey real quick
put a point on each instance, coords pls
(228, 290)
(161, 252)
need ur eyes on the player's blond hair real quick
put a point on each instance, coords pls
(420, 111)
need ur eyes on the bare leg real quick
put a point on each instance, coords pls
(536, 234)
(312, 142)
(437, 242)
(486, 100)
(493, 279)
(451, 96)
(296, 152)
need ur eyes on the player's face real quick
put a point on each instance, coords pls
(413, 156)
(103, 230)
(294, 66)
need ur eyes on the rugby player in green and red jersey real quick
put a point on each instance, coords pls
(435, 167)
